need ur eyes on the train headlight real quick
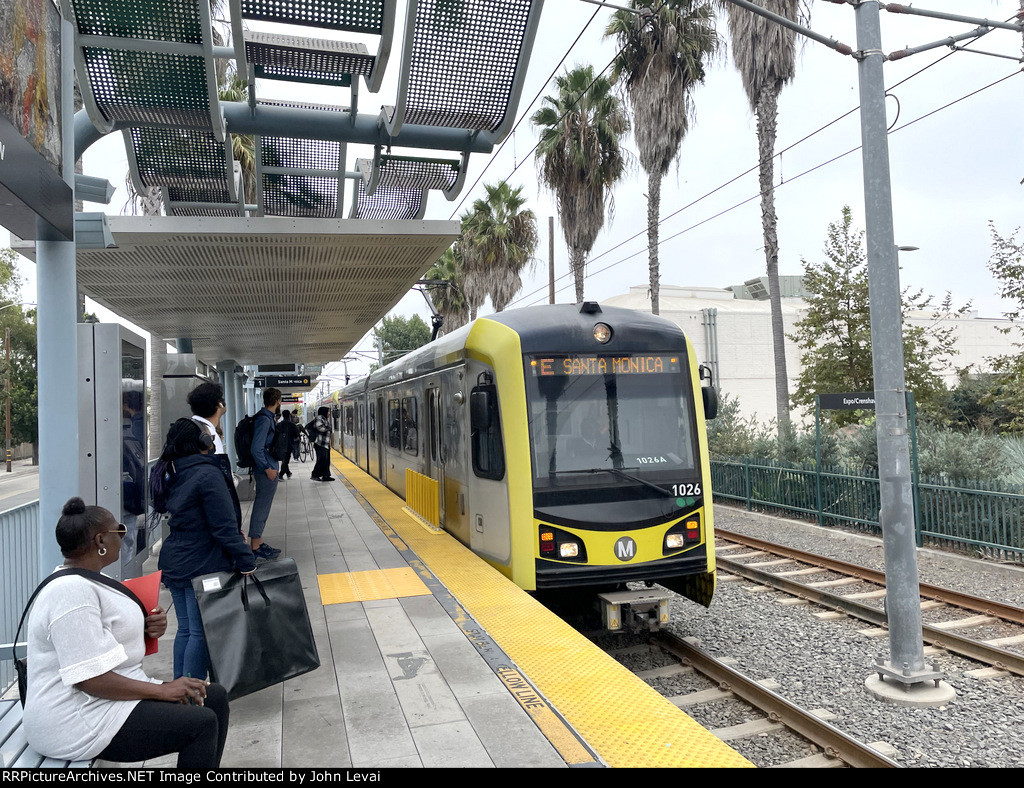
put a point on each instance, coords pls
(568, 550)
(602, 332)
(674, 541)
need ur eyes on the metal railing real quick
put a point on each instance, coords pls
(19, 570)
(976, 518)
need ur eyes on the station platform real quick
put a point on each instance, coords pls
(431, 658)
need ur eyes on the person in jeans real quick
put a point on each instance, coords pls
(208, 408)
(204, 537)
(88, 696)
(265, 469)
(322, 447)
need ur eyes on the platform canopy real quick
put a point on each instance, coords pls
(287, 228)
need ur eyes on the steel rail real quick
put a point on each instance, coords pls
(950, 641)
(833, 741)
(968, 602)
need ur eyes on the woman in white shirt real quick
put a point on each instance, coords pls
(88, 696)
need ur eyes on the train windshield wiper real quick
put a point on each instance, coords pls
(624, 475)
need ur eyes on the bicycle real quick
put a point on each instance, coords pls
(305, 447)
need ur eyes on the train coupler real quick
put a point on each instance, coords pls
(636, 611)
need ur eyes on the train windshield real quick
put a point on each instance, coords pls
(603, 421)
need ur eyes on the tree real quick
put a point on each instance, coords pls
(765, 55)
(499, 236)
(1007, 265)
(580, 157)
(835, 333)
(660, 61)
(448, 298)
(396, 336)
(23, 389)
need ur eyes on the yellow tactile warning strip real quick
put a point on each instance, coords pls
(336, 589)
(625, 721)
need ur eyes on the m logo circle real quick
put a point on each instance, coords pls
(625, 549)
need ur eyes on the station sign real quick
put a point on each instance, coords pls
(283, 381)
(857, 400)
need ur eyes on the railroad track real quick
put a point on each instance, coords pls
(989, 652)
(775, 713)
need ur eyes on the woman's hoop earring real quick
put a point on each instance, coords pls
(102, 551)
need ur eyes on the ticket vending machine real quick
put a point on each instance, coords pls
(113, 423)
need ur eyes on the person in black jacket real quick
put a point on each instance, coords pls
(204, 537)
(291, 429)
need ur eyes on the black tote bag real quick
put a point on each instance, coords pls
(256, 627)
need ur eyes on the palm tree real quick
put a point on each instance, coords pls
(499, 236)
(662, 51)
(448, 299)
(765, 55)
(580, 157)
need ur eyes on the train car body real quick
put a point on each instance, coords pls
(567, 442)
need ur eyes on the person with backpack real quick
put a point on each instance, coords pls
(320, 437)
(265, 470)
(204, 537)
(286, 435)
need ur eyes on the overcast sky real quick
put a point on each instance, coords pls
(952, 172)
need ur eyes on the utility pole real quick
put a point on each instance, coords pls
(551, 259)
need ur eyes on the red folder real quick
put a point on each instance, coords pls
(147, 589)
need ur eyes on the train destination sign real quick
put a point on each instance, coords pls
(642, 364)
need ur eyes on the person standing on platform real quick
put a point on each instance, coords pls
(265, 469)
(204, 537)
(208, 408)
(322, 446)
(288, 426)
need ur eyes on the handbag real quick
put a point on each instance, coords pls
(256, 627)
(21, 664)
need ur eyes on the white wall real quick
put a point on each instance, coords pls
(745, 352)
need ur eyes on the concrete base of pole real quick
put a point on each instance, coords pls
(925, 695)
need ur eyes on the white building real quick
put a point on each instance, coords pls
(730, 329)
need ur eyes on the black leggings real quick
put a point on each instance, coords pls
(155, 728)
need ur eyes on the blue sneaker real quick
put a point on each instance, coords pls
(267, 552)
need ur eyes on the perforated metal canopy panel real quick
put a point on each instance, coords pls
(464, 62)
(260, 289)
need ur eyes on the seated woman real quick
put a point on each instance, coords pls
(88, 696)
(204, 537)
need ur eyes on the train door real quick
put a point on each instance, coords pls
(433, 453)
(453, 447)
(382, 439)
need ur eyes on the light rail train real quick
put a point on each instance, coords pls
(567, 442)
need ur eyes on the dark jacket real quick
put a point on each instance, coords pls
(204, 535)
(262, 440)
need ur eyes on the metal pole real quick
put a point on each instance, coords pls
(906, 659)
(58, 348)
(7, 355)
(551, 259)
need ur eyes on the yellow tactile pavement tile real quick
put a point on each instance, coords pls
(336, 589)
(625, 721)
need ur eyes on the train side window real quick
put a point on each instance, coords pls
(410, 425)
(488, 449)
(394, 424)
(373, 423)
(349, 421)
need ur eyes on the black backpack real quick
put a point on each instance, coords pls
(243, 442)
(312, 431)
(282, 444)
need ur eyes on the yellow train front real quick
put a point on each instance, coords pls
(567, 443)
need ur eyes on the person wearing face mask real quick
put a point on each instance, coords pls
(204, 537)
(88, 696)
(207, 403)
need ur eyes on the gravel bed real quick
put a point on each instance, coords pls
(824, 664)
